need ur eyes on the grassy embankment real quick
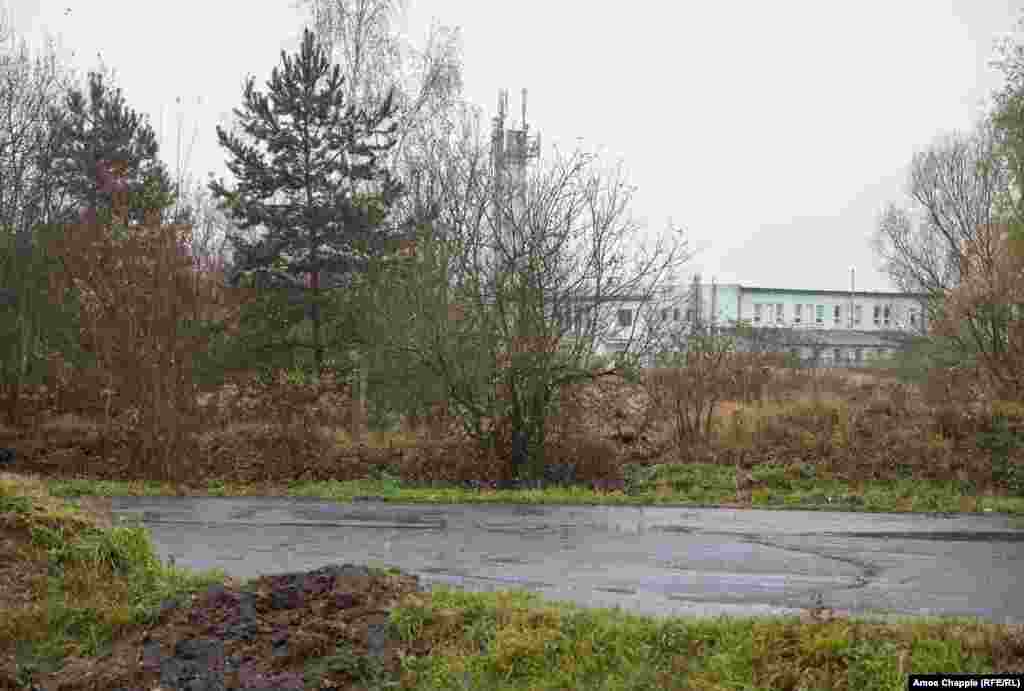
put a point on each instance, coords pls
(55, 609)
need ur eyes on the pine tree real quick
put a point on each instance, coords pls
(324, 193)
(99, 141)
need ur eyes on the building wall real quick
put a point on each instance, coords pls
(818, 310)
(826, 342)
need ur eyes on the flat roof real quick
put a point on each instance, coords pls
(750, 289)
(840, 293)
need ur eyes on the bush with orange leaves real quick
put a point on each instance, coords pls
(984, 314)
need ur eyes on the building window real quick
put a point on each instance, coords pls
(675, 315)
(858, 354)
(819, 315)
(885, 318)
(836, 315)
(664, 315)
(625, 317)
(778, 313)
(810, 313)
(878, 315)
(837, 355)
(858, 312)
(797, 310)
(913, 317)
(757, 312)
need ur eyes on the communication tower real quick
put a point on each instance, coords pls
(512, 149)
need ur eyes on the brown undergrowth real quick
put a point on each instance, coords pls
(255, 433)
(857, 426)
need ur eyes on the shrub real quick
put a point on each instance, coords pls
(637, 475)
(141, 318)
(1004, 442)
(581, 459)
(689, 384)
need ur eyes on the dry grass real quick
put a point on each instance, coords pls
(854, 424)
(25, 596)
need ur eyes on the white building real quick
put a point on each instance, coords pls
(825, 327)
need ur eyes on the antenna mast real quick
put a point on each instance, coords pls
(511, 151)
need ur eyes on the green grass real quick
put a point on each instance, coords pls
(514, 641)
(510, 640)
(78, 487)
(795, 486)
(94, 581)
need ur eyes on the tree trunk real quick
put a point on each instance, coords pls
(318, 351)
(358, 404)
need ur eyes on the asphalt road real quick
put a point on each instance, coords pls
(661, 561)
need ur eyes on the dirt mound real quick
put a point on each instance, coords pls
(326, 627)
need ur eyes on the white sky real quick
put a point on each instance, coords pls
(773, 132)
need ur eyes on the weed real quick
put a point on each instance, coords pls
(386, 476)
(638, 476)
(19, 505)
(408, 621)
(344, 662)
(773, 475)
(1000, 442)
(216, 488)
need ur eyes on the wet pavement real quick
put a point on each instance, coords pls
(651, 560)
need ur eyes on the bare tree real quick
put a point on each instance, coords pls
(984, 314)
(29, 87)
(30, 326)
(952, 244)
(957, 187)
(692, 379)
(376, 58)
(194, 205)
(516, 287)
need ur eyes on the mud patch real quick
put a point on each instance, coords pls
(276, 632)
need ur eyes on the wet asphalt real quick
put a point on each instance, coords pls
(650, 560)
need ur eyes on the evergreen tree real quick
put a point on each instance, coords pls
(324, 193)
(96, 140)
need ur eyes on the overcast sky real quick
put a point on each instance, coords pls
(773, 132)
